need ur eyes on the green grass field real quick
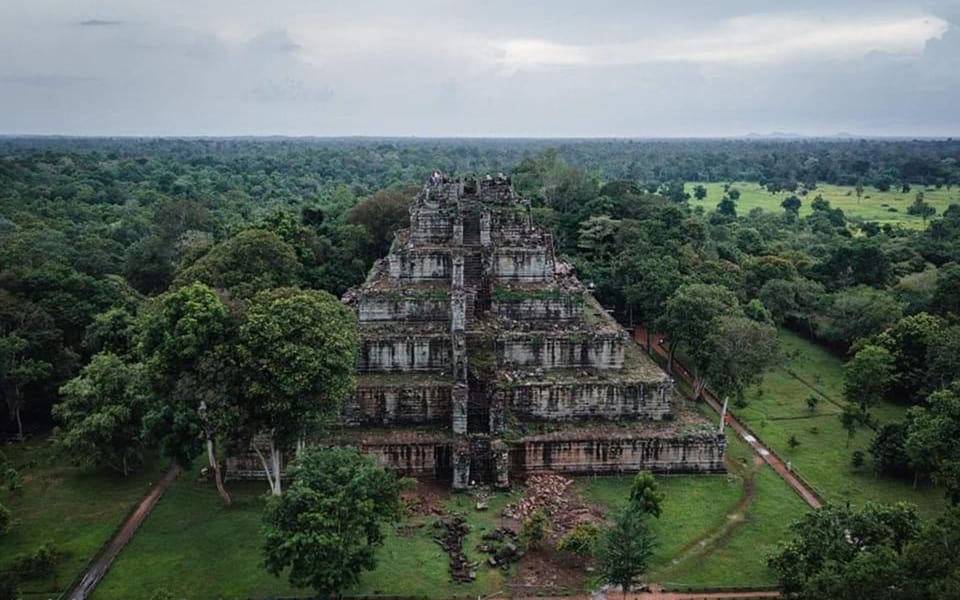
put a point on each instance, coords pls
(195, 547)
(76, 510)
(777, 410)
(872, 206)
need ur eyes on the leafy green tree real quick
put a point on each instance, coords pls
(921, 208)
(101, 414)
(327, 527)
(188, 353)
(735, 355)
(297, 353)
(382, 215)
(943, 368)
(933, 439)
(910, 340)
(758, 271)
(113, 331)
(648, 281)
(791, 205)
(30, 344)
(699, 192)
(251, 261)
(858, 313)
(868, 376)
(946, 296)
(625, 549)
(889, 451)
(846, 554)
(690, 314)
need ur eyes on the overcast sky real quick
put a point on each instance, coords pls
(474, 68)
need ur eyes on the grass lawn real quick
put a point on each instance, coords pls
(873, 205)
(777, 410)
(195, 547)
(75, 509)
(692, 549)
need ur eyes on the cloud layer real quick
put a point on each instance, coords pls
(427, 68)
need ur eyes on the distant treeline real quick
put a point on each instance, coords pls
(372, 163)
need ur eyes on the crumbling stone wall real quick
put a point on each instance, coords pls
(404, 307)
(412, 458)
(420, 264)
(398, 404)
(561, 307)
(430, 226)
(523, 264)
(398, 352)
(571, 401)
(692, 454)
(562, 351)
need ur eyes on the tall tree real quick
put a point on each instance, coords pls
(297, 351)
(735, 355)
(101, 414)
(690, 316)
(327, 526)
(186, 345)
(625, 548)
(933, 439)
(868, 376)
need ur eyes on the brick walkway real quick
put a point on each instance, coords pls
(800, 487)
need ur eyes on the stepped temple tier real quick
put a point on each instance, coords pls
(483, 357)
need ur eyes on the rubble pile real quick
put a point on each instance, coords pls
(544, 491)
(503, 547)
(449, 534)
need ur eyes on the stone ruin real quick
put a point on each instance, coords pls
(483, 357)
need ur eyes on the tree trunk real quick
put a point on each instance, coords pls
(217, 476)
(266, 466)
(16, 413)
(673, 348)
(649, 344)
(275, 458)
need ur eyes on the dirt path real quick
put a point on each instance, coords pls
(801, 488)
(99, 568)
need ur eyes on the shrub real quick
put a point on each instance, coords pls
(534, 529)
(40, 564)
(580, 541)
(857, 459)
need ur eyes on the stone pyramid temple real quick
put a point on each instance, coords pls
(483, 357)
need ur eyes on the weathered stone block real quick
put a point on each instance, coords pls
(561, 351)
(523, 264)
(407, 403)
(399, 352)
(420, 264)
(693, 454)
(571, 401)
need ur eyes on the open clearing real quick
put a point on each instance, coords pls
(777, 409)
(882, 207)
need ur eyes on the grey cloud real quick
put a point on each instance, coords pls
(99, 23)
(433, 67)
